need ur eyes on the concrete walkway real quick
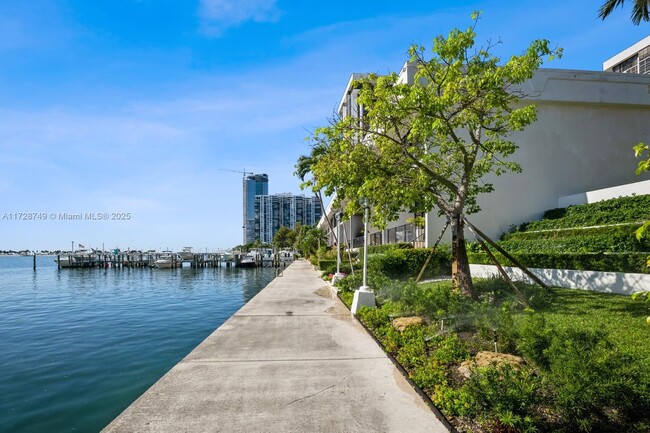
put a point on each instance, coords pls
(291, 360)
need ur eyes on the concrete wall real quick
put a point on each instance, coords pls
(587, 124)
(606, 282)
(637, 188)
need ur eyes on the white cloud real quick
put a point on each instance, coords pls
(217, 15)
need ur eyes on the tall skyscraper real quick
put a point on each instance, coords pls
(283, 210)
(253, 185)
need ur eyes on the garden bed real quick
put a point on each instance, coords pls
(586, 356)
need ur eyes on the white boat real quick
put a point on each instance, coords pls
(66, 261)
(164, 262)
(186, 254)
(267, 257)
(69, 260)
(286, 256)
(248, 260)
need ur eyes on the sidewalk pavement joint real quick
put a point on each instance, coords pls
(315, 370)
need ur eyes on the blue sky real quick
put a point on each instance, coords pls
(135, 105)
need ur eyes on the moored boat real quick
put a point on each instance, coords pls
(286, 256)
(248, 260)
(70, 260)
(164, 262)
(186, 254)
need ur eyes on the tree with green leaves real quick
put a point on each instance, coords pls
(643, 166)
(283, 238)
(431, 143)
(309, 240)
(640, 9)
(303, 169)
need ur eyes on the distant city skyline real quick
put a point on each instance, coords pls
(140, 115)
(254, 185)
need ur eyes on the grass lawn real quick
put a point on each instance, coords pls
(621, 317)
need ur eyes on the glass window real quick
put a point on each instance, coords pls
(629, 66)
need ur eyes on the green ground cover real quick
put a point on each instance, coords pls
(598, 237)
(615, 211)
(587, 355)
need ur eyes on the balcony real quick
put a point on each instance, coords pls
(404, 233)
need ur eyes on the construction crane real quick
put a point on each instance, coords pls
(244, 172)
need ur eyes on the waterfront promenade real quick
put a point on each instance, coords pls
(291, 360)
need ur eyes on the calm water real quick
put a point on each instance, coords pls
(77, 346)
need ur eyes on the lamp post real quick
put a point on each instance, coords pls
(364, 296)
(338, 276)
(365, 246)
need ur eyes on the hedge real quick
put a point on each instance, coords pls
(602, 239)
(407, 263)
(326, 264)
(382, 249)
(618, 210)
(606, 262)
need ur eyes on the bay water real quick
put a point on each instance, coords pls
(77, 346)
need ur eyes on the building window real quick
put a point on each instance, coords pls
(629, 66)
(644, 61)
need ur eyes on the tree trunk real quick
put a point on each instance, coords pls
(460, 265)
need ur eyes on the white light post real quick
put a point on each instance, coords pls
(364, 296)
(338, 276)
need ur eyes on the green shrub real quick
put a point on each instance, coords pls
(429, 375)
(432, 301)
(350, 282)
(412, 352)
(502, 395)
(452, 402)
(377, 282)
(588, 375)
(376, 319)
(346, 298)
(330, 268)
(594, 387)
(447, 349)
(581, 382)
(614, 262)
(618, 210)
(383, 249)
(498, 291)
(407, 263)
(534, 339)
(491, 320)
(558, 242)
(325, 265)
(603, 239)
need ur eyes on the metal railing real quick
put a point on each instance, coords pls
(403, 233)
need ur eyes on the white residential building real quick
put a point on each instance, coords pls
(632, 60)
(587, 124)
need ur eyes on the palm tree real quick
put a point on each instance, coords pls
(640, 10)
(303, 168)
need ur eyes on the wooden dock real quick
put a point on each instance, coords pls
(137, 260)
(148, 260)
